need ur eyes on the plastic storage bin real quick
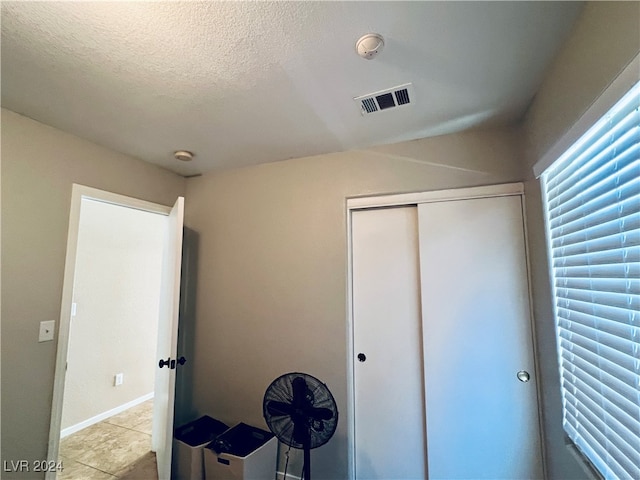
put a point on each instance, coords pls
(188, 444)
(241, 453)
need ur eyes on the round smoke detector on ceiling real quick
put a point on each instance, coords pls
(369, 45)
(183, 156)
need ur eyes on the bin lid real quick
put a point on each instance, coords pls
(240, 440)
(200, 431)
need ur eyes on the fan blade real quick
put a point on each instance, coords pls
(320, 413)
(280, 409)
(299, 391)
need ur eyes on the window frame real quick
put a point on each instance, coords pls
(612, 95)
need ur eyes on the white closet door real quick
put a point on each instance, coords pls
(389, 406)
(482, 421)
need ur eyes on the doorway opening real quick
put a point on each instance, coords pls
(119, 315)
(107, 411)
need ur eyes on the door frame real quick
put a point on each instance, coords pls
(79, 192)
(409, 199)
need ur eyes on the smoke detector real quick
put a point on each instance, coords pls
(370, 45)
(183, 155)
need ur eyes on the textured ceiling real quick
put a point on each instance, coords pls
(242, 83)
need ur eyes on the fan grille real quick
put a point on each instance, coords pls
(317, 412)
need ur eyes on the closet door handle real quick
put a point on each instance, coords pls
(523, 376)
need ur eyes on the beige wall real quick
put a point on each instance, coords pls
(272, 283)
(604, 40)
(117, 294)
(39, 165)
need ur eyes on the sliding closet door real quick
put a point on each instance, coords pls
(389, 406)
(482, 417)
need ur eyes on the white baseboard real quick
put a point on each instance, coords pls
(65, 432)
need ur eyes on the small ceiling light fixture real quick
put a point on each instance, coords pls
(183, 155)
(370, 45)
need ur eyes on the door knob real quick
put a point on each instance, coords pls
(172, 363)
(523, 376)
(362, 357)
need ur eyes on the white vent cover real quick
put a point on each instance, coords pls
(386, 99)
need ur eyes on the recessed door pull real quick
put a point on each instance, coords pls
(172, 363)
(523, 376)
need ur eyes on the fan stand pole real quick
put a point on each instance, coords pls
(307, 460)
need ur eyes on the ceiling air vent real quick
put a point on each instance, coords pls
(386, 99)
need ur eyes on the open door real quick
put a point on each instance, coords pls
(162, 436)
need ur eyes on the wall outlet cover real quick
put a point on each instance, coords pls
(47, 329)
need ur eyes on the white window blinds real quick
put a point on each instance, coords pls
(592, 199)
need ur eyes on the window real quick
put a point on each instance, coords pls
(592, 204)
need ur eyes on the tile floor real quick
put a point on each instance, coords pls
(116, 448)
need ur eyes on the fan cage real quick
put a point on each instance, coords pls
(317, 395)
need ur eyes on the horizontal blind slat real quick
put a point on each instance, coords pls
(596, 451)
(623, 300)
(597, 217)
(580, 404)
(581, 401)
(613, 348)
(625, 329)
(605, 285)
(570, 164)
(578, 362)
(621, 255)
(625, 202)
(625, 224)
(620, 347)
(573, 386)
(612, 170)
(630, 270)
(625, 456)
(610, 242)
(620, 169)
(580, 356)
(622, 315)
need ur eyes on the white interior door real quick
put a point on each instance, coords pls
(482, 421)
(163, 405)
(388, 394)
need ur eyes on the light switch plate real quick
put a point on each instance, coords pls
(47, 329)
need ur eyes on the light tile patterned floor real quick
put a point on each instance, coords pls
(116, 448)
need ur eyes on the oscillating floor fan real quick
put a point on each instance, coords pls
(301, 412)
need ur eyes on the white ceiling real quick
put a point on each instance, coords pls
(242, 83)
